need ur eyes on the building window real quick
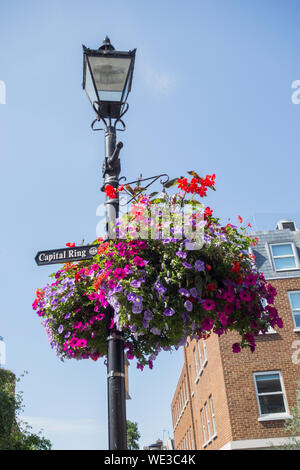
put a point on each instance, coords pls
(200, 354)
(295, 306)
(196, 362)
(203, 426)
(207, 420)
(186, 388)
(270, 394)
(205, 351)
(202, 357)
(284, 256)
(212, 415)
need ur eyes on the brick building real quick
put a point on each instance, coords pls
(241, 401)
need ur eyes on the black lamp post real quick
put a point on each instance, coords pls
(107, 78)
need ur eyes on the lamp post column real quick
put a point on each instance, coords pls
(115, 341)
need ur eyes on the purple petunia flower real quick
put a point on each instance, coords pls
(188, 305)
(160, 288)
(199, 265)
(131, 297)
(194, 292)
(169, 312)
(155, 331)
(136, 283)
(148, 315)
(181, 254)
(185, 317)
(187, 265)
(184, 292)
(137, 308)
(60, 329)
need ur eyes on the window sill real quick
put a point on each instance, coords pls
(210, 440)
(297, 330)
(201, 371)
(286, 269)
(181, 413)
(275, 417)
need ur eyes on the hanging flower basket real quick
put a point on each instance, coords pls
(156, 289)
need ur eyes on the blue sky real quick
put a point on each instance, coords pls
(211, 93)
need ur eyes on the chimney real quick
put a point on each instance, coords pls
(285, 225)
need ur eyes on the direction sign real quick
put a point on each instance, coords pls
(66, 255)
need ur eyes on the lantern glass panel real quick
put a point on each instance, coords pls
(89, 85)
(110, 76)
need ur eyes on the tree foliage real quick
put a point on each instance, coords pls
(133, 435)
(292, 426)
(15, 434)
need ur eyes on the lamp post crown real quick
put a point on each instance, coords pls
(106, 45)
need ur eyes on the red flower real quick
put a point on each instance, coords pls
(208, 267)
(210, 287)
(70, 244)
(240, 219)
(208, 211)
(110, 191)
(236, 267)
(209, 180)
(95, 356)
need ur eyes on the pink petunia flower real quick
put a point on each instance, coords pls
(208, 304)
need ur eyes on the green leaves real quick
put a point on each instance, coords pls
(194, 174)
(198, 284)
(171, 183)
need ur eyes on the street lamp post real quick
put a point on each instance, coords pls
(107, 78)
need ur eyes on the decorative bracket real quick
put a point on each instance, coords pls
(96, 107)
(153, 180)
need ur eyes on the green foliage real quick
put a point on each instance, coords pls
(16, 434)
(133, 435)
(292, 426)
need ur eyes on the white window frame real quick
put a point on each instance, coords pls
(297, 328)
(203, 362)
(205, 352)
(200, 354)
(295, 255)
(197, 369)
(211, 404)
(271, 416)
(208, 421)
(203, 427)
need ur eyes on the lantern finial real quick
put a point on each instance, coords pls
(106, 45)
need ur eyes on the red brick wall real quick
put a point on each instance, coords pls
(228, 377)
(182, 414)
(273, 352)
(209, 382)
